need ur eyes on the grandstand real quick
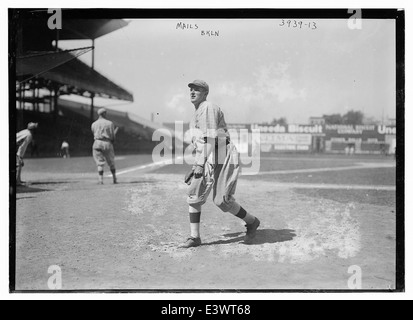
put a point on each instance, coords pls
(45, 74)
(73, 125)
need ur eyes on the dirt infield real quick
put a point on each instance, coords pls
(125, 236)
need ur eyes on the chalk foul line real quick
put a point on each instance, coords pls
(148, 166)
(332, 186)
(357, 167)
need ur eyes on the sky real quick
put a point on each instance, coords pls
(257, 70)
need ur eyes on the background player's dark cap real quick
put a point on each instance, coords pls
(199, 84)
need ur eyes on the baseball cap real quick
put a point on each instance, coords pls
(32, 125)
(101, 111)
(200, 84)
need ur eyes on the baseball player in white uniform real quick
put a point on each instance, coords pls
(216, 166)
(23, 139)
(104, 132)
(65, 149)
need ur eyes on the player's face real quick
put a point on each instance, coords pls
(197, 95)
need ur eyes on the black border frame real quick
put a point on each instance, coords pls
(242, 13)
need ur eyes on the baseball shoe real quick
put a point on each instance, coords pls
(191, 243)
(252, 231)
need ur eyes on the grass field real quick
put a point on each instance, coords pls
(320, 216)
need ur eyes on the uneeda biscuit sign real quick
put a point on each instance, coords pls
(291, 128)
(360, 130)
(366, 139)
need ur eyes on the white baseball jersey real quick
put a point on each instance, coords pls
(23, 139)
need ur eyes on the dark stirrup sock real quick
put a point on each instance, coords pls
(195, 217)
(244, 215)
(241, 214)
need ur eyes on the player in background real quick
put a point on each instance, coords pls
(216, 166)
(104, 132)
(23, 139)
(65, 149)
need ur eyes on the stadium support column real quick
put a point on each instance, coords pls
(21, 105)
(93, 54)
(34, 96)
(20, 96)
(92, 107)
(92, 97)
(37, 99)
(56, 87)
(57, 38)
(56, 104)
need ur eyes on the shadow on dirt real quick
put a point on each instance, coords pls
(136, 182)
(263, 236)
(24, 198)
(27, 189)
(50, 182)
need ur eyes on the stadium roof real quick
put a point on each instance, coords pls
(89, 29)
(34, 23)
(38, 57)
(36, 63)
(65, 69)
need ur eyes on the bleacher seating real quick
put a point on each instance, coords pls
(73, 125)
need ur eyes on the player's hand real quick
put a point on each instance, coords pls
(188, 177)
(198, 172)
